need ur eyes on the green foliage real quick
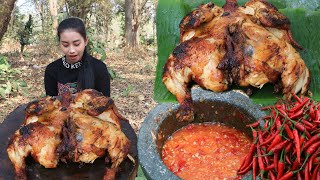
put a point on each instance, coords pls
(304, 24)
(112, 73)
(140, 174)
(15, 25)
(147, 40)
(128, 90)
(25, 33)
(9, 84)
(95, 46)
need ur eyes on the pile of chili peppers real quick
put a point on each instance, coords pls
(286, 143)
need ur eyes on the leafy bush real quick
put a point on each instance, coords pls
(96, 47)
(9, 83)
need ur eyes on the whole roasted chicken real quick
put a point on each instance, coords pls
(248, 45)
(75, 129)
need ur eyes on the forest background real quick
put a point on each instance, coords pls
(122, 34)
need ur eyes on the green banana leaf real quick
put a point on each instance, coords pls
(305, 25)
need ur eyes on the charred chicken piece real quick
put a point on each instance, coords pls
(93, 103)
(93, 130)
(39, 135)
(79, 129)
(88, 138)
(194, 24)
(264, 13)
(247, 46)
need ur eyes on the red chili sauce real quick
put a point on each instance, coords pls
(205, 151)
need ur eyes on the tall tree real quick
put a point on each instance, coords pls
(53, 6)
(133, 11)
(41, 6)
(6, 7)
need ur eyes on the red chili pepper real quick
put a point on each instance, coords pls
(302, 140)
(315, 172)
(260, 162)
(281, 165)
(299, 106)
(278, 147)
(254, 168)
(260, 137)
(316, 160)
(297, 143)
(288, 131)
(248, 159)
(288, 159)
(271, 166)
(311, 149)
(317, 115)
(254, 135)
(288, 147)
(307, 123)
(276, 160)
(271, 138)
(278, 123)
(282, 112)
(267, 117)
(254, 125)
(314, 155)
(265, 127)
(299, 176)
(300, 127)
(296, 97)
(306, 174)
(312, 112)
(288, 175)
(296, 114)
(295, 165)
(312, 140)
(244, 171)
(275, 141)
(271, 175)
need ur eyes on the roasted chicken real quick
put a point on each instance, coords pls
(39, 135)
(246, 46)
(75, 129)
(93, 129)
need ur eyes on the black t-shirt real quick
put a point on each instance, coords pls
(59, 74)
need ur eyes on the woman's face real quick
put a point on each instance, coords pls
(72, 45)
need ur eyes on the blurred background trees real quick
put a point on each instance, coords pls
(111, 23)
(28, 30)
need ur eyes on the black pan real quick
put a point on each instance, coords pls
(70, 171)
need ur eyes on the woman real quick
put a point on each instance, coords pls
(77, 70)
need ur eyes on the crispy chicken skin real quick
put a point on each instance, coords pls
(249, 45)
(39, 135)
(93, 130)
(79, 129)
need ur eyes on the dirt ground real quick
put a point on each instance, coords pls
(131, 88)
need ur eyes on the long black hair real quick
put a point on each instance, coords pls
(86, 76)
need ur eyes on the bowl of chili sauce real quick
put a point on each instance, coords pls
(211, 146)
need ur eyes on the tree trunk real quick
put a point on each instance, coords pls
(6, 8)
(129, 34)
(40, 6)
(53, 4)
(133, 9)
